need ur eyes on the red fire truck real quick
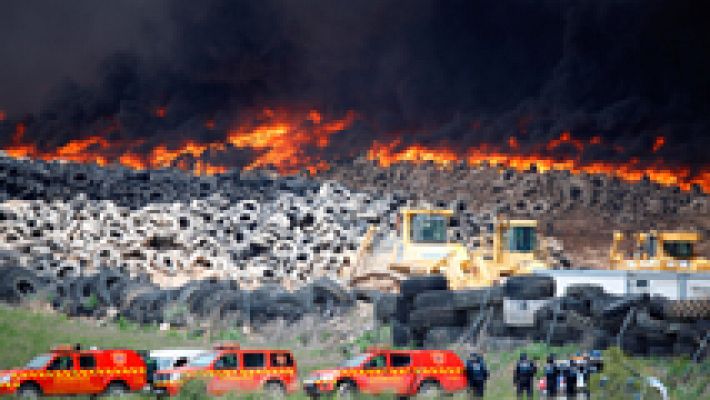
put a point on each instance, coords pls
(229, 368)
(68, 370)
(400, 372)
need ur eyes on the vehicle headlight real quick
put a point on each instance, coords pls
(319, 377)
(5, 378)
(329, 376)
(175, 376)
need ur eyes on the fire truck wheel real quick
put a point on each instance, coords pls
(274, 390)
(29, 391)
(429, 390)
(116, 389)
(346, 391)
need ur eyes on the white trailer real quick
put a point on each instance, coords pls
(672, 285)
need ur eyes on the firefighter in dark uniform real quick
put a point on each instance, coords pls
(476, 374)
(552, 373)
(525, 371)
(570, 374)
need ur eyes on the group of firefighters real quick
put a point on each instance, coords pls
(565, 379)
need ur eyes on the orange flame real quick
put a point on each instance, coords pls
(291, 141)
(281, 139)
(660, 142)
(387, 154)
(284, 141)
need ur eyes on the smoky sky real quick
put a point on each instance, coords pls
(457, 73)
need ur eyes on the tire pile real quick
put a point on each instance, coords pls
(427, 314)
(110, 294)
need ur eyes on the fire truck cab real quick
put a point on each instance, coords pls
(229, 368)
(400, 372)
(67, 370)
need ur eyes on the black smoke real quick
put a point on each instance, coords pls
(457, 73)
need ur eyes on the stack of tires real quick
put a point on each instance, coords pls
(427, 314)
(111, 294)
(668, 327)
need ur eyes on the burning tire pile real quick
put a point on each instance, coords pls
(254, 227)
(252, 246)
(427, 314)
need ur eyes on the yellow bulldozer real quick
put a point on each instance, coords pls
(421, 246)
(658, 251)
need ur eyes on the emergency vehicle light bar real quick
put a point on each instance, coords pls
(227, 346)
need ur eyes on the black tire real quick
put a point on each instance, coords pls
(411, 287)
(619, 308)
(106, 283)
(650, 325)
(430, 317)
(684, 349)
(634, 342)
(585, 291)
(274, 390)
(85, 294)
(429, 390)
(497, 328)
(116, 389)
(686, 310)
(19, 284)
(401, 334)
(601, 339)
(435, 298)
(472, 299)
(402, 309)
(385, 307)
(529, 287)
(29, 391)
(442, 336)
(346, 391)
(325, 286)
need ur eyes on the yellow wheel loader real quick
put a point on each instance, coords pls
(421, 246)
(658, 251)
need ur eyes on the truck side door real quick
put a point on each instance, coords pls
(400, 372)
(62, 378)
(375, 379)
(254, 368)
(225, 374)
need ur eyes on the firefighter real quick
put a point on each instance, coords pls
(584, 372)
(552, 373)
(476, 374)
(570, 374)
(525, 371)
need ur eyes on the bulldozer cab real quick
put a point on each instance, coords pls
(673, 245)
(660, 250)
(425, 226)
(520, 236)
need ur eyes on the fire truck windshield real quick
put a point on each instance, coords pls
(39, 362)
(203, 360)
(356, 361)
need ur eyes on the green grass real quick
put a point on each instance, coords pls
(25, 333)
